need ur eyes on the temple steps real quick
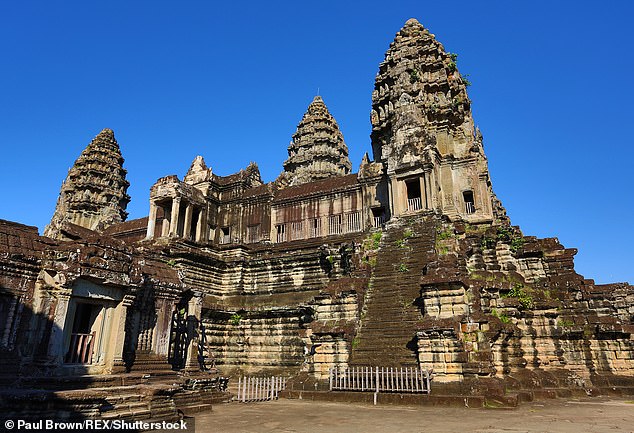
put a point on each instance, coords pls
(163, 397)
(390, 318)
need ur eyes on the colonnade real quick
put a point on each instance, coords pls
(188, 225)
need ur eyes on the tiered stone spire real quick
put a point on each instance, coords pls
(419, 99)
(94, 194)
(317, 150)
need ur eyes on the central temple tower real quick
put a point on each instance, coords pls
(423, 131)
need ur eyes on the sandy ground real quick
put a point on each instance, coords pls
(574, 416)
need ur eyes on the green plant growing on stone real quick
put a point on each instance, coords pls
(407, 233)
(413, 76)
(403, 268)
(465, 80)
(373, 241)
(235, 319)
(452, 64)
(331, 260)
(400, 243)
(487, 243)
(516, 244)
(355, 342)
(171, 262)
(505, 234)
(524, 298)
(442, 250)
(565, 323)
(443, 235)
(509, 235)
(503, 317)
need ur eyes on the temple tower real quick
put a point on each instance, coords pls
(317, 150)
(423, 131)
(94, 194)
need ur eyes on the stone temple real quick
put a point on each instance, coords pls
(409, 261)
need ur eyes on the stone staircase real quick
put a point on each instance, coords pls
(125, 396)
(389, 317)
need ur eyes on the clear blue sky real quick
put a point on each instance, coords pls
(552, 93)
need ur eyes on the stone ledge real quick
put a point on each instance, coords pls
(387, 398)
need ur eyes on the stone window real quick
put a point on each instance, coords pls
(225, 235)
(353, 221)
(315, 227)
(281, 232)
(414, 201)
(469, 202)
(378, 216)
(297, 231)
(253, 234)
(335, 224)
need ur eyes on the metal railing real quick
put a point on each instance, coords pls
(414, 204)
(260, 388)
(469, 207)
(381, 379)
(80, 348)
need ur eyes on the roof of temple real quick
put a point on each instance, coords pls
(135, 224)
(332, 184)
(20, 239)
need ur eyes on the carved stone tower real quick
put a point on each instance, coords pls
(317, 150)
(423, 131)
(94, 194)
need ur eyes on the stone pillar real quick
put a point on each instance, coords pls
(392, 191)
(433, 187)
(176, 206)
(56, 344)
(187, 227)
(201, 226)
(165, 229)
(194, 316)
(151, 221)
(114, 357)
(423, 191)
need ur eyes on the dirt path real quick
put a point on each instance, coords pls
(579, 416)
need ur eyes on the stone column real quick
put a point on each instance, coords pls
(176, 206)
(187, 227)
(114, 354)
(391, 191)
(194, 316)
(56, 347)
(433, 185)
(423, 191)
(201, 226)
(151, 221)
(165, 229)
